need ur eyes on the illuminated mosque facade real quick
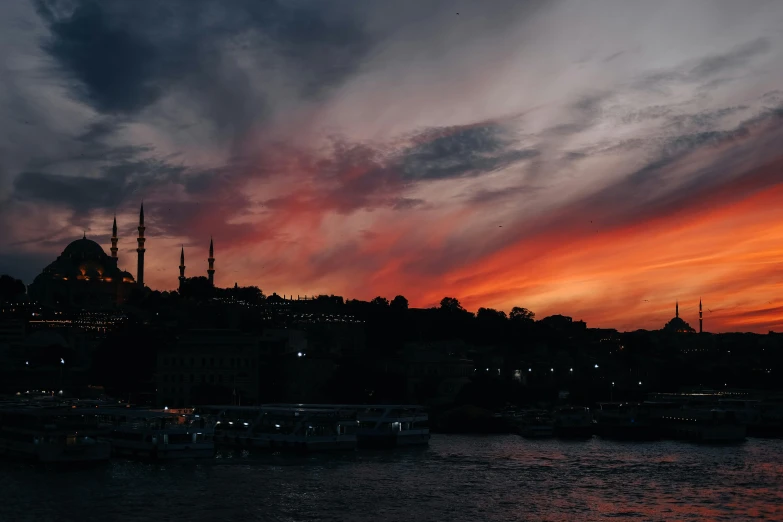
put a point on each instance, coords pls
(85, 276)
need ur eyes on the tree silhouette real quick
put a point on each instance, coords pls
(197, 288)
(451, 304)
(521, 314)
(10, 288)
(399, 303)
(380, 301)
(490, 314)
(248, 294)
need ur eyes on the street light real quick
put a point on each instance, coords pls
(596, 366)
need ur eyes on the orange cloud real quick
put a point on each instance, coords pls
(630, 277)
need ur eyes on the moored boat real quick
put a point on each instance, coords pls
(573, 422)
(156, 434)
(392, 425)
(625, 421)
(534, 424)
(285, 427)
(54, 435)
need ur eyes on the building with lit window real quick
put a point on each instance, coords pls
(209, 366)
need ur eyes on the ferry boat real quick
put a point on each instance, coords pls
(625, 421)
(285, 427)
(388, 426)
(157, 434)
(384, 425)
(573, 422)
(703, 425)
(52, 435)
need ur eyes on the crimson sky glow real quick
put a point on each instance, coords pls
(596, 159)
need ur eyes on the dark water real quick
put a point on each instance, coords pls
(458, 478)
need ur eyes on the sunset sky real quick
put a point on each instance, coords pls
(597, 159)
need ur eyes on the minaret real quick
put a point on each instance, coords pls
(182, 267)
(114, 239)
(701, 320)
(677, 309)
(211, 259)
(140, 250)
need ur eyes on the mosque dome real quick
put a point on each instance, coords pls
(83, 259)
(85, 249)
(84, 276)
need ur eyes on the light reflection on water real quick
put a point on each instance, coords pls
(460, 478)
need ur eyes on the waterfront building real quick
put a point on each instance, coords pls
(209, 365)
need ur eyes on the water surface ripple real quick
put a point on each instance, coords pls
(457, 478)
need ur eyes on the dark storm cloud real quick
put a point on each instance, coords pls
(73, 191)
(83, 193)
(119, 69)
(126, 55)
(468, 151)
(121, 58)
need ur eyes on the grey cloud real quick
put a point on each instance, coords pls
(733, 59)
(647, 192)
(707, 68)
(567, 129)
(378, 174)
(84, 193)
(77, 192)
(704, 119)
(613, 56)
(648, 113)
(468, 151)
(408, 203)
(482, 197)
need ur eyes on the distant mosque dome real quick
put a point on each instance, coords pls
(677, 324)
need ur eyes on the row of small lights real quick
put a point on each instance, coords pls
(552, 370)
